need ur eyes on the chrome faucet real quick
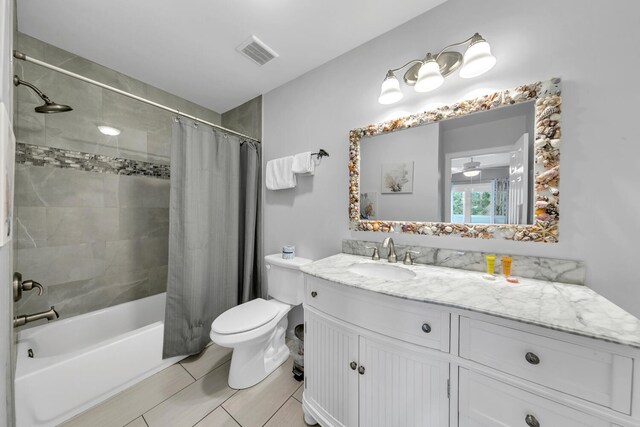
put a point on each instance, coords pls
(50, 314)
(388, 242)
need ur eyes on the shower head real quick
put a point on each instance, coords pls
(52, 108)
(49, 106)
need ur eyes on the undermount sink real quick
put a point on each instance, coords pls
(382, 271)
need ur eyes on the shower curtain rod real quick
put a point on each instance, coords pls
(19, 55)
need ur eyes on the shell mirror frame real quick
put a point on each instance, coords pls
(547, 101)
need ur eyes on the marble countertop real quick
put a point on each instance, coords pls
(570, 308)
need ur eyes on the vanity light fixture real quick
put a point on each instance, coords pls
(108, 130)
(428, 74)
(471, 169)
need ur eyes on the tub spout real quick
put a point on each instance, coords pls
(50, 314)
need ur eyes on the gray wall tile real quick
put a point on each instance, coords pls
(246, 119)
(61, 264)
(31, 227)
(68, 226)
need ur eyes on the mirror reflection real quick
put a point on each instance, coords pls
(475, 169)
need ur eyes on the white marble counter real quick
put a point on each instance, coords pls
(570, 308)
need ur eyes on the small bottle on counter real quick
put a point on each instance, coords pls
(491, 265)
(288, 252)
(506, 266)
(506, 269)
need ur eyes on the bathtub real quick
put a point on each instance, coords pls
(81, 361)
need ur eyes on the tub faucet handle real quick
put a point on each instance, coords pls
(19, 286)
(27, 285)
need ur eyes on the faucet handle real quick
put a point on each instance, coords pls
(27, 285)
(375, 256)
(408, 260)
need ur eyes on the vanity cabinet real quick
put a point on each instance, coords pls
(373, 360)
(357, 377)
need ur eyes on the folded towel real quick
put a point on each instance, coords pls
(303, 163)
(279, 174)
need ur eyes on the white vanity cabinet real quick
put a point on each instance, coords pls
(373, 360)
(356, 377)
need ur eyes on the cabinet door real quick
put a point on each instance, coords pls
(331, 385)
(402, 385)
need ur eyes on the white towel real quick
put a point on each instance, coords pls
(279, 175)
(303, 163)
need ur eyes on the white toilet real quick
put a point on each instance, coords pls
(256, 329)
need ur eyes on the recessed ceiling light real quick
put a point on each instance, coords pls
(108, 130)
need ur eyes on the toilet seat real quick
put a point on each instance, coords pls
(245, 317)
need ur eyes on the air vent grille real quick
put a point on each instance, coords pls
(254, 49)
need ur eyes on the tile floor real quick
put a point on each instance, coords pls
(194, 392)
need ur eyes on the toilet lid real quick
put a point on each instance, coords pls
(245, 317)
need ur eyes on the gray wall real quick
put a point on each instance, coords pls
(93, 239)
(6, 252)
(418, 145)
(599, 213)
(246, 118)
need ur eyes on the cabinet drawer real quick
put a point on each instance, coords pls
(485, 402)
(592, 374)
(415, 322)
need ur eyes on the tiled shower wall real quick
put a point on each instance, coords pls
(94, 239)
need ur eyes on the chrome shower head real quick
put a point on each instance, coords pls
(49, 106)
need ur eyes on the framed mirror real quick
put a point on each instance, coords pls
(481, 168)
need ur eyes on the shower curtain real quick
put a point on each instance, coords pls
(214, 232)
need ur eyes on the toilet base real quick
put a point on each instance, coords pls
(254, 361)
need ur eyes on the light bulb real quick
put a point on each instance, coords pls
(477, 59)
(429, 76)
(108, 130)
(390, 90)
(471, 173)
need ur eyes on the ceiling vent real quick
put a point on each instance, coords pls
(254, 49)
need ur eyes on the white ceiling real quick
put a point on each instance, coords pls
(188, 48)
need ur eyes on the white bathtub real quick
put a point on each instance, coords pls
(81, 361)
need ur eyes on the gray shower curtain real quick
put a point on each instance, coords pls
(214, 232)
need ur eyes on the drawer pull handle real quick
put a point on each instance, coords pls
(361, 370)
(532, 358)
(531, 421)
(353, 365)
(426, 328)
(314, 294)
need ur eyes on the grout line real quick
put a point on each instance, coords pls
(144, 420)
(274, 414)
(219, 406)
(230, 415)
(160, 403)
(194, 378)
(296, 390)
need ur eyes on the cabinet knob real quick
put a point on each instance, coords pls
(361, 370)
(531, 421)
(353, 365)
(314, 294)
(532, 358)
(426, 328)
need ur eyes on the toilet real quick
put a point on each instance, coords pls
(256, 329)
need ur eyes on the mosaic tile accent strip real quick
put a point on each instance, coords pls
(36, 155)
(548, 102)
(551, 269)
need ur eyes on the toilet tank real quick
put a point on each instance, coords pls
(284, 278)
